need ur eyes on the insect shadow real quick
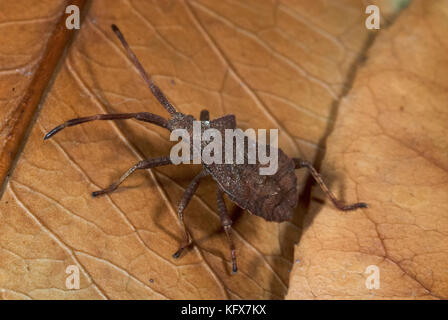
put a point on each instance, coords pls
(271, 197)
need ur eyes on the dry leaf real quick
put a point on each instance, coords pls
(36, 37)
(389, 148)
(273, 64)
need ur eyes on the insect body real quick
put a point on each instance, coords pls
(271, 197)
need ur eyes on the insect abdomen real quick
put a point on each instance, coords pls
(271, 197)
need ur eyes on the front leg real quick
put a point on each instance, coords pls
(184, 201)
(144, 164)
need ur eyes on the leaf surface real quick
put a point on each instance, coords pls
(389, 148)
(273, 64)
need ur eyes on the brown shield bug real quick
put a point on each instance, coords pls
(271, 197)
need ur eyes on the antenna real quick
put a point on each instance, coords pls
(154, 89)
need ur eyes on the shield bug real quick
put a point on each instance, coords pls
(272, 197)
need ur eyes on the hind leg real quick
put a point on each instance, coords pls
(337, 203)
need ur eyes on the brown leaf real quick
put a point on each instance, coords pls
(389, 149)
(273, 64)
(27, 65)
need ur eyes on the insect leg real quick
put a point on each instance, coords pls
(226, 223)
(205, 115)
(337, 203)
(141, 116)
(144, 164)
(186, 197)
